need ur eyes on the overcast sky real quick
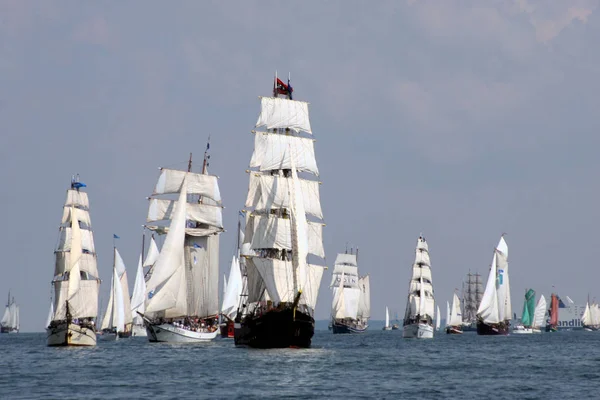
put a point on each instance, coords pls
(458, 119)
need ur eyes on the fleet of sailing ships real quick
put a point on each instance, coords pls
(270, 295)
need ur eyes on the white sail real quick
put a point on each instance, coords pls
(233, 290)
(118, 320)
(271, 192)
(50, 314)
(595, 315)
(364, 302)
(420, 299)
(447, 313)
(539, 319)
(152, 254)
(86, 238)
(338, 305)
(170, 181)
(455, 312)
(122, 276)
(586, 318)
(387, 317)
(272, 152)
(503, 281)
(77, 199)
(160, 210)
(278, 113)
(166, 290)
(139, 294)
(438, 319)
(488, 308)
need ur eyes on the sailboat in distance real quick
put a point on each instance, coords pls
(418, 318)
(454, 323)
(117, 321)
(281, 287)
(75, 280)
(182, 292)
(495, 310)
(10, 319)
(387, 326)
(349, 297)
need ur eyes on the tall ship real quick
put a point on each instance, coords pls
(471, 298)
(591, 317)
(75, 281)
(10, 319)
(232, 290)
(532, 317)
(182, 290)
(283, 227)
(454, 322)
(495, 311)
(118, 321)
(350, 308)
(418, 317)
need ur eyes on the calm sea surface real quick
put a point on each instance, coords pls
(378, 364)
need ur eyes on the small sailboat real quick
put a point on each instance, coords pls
(552, 324)
(117, 321)
(454, 322)
(350, 296)
(387, 326)
(232, 292)
(183, 288)
(418, 318)
(280, 294)
(10, 319)
(532, 318)
(438, 318)
(590, 320)
(495, 310)
(75, 281)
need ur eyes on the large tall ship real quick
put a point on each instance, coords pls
(495, 311)
(418, 318)
(281, 286)
(118, 321)
(10, 319)
(350, 308)
(471, 294)
(75, 281)
(182, 290)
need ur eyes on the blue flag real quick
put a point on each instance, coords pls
(115, 236)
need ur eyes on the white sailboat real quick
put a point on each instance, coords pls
(183, 289)
(438, 318)
(532, 319)
(591, 317)
(387, 326)
(418, 318)
(454, 322)
(137, 301)
(10, 320)
(117, 321)
(349, 308)
(231, 297)
(75, 281)
(495, 310)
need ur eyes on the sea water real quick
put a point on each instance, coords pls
(377, 364)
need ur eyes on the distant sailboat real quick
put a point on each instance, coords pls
(591, 317)
(472, 294)
(418, 318)
(438, 319)
(10, 319)
(75, 281)
(532, 318)
(552, 324)
(117, 321)
(454, 323)
(349, 310)
(495, 310)
(387, 326)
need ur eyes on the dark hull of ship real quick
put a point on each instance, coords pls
(275, 329)
(6, 329)
(492, 329)
(227, 329)
(345, 327)
(472, 327)
(454, 330)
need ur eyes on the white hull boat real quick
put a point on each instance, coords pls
(73, 335)
(521, 330)
(418, 331)
(172, 334)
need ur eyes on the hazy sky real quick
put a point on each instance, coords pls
(458, 119)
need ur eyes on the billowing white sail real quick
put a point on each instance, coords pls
(170, 181)
(455, 312)
(364, 302)
(152, 254)
(160, 210)
(272, 152)
(586, 318)
(50, 314)
(138, 295)
(488, 308)
(539, 319)
(231, 296)
(447, 313)
(387, 317)
(438, 318)
(278, 113)
(496, 305)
